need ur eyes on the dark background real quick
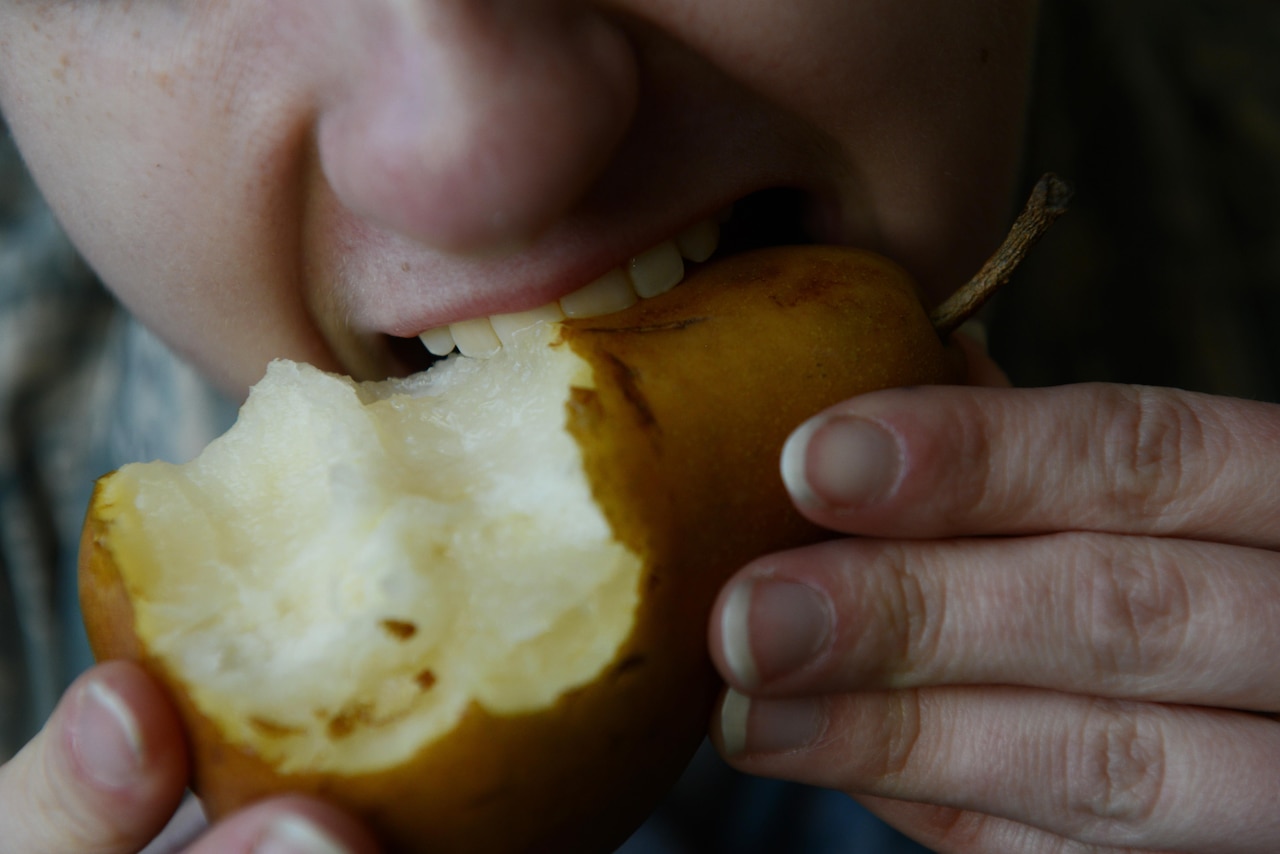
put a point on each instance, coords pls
(1165, 117)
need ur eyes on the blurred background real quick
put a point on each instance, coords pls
(1165, 117)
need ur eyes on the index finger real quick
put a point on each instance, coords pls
(945, 462)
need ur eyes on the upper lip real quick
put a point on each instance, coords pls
(535, 278)
(468, 288)
(418, 289)
(439, 290)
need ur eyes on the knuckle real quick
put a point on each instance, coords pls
(901, 734)
(1115, 771)
(978, 482)
(913, 608)
(953, 830)
(1153, 442)
(1136, 608)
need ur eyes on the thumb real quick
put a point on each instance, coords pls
(104, 774)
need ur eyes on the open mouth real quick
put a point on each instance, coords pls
(772, 217)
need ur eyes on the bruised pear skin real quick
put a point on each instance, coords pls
(680, 433)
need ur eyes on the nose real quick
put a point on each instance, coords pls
(472, 125)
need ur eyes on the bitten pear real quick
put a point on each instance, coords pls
(470, 606)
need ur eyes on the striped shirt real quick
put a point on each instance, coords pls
(83, 389)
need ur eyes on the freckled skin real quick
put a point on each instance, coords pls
(297, 178)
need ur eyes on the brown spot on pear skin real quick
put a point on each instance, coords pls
(400, 629)
(628, 382)
(345, 722)
(426, 680)
(584, 404)
(670, 326)
(273, 729)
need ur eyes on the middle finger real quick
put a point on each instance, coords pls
(1126, 617)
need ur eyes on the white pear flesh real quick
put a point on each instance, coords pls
(342, 574)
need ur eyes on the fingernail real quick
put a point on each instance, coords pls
(769, 726)
(771, 628)
(290, 834)
(839, 461)
(105, 737)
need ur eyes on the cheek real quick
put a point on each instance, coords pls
(846, 62)
(122, 136)
(814, 57)
(175, 190)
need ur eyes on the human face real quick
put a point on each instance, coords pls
(315, 179)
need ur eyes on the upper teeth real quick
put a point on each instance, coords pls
(649, 274)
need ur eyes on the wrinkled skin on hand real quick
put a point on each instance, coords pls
(1054, 630)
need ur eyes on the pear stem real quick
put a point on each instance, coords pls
(1048, 201)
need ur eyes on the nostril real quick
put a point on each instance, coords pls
(475, 135)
